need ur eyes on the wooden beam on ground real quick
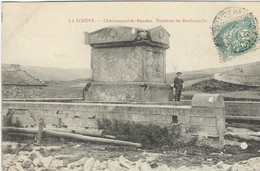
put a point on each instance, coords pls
(40, 131)
(250, 126)
(243, 136)
(71, 135)
(22, 135)
(243, 131)
(19, 130)
(83, 131)
(89, 138)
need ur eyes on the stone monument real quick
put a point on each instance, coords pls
(128, 64)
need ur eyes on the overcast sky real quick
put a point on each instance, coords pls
(40, 34)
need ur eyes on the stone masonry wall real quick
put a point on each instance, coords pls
(20, 92)
(207, 115)
(86, 114)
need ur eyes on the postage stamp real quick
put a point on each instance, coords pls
(235, 32)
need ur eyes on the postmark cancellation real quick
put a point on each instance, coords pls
(235, 32)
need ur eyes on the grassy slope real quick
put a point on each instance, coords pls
(228, 90)
(66, 89)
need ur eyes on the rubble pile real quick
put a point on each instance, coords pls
(122, 164)
(28, 160)
(34, 161)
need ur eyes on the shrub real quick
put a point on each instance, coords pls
(150, 136)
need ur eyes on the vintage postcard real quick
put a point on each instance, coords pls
(136, 86)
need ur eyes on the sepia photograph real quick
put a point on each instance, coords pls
(130, 86)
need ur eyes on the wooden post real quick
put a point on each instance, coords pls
(40, 130)
(59, 126)
(59, 122)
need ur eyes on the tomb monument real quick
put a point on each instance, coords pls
(128, 65)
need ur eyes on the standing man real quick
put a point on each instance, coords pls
(178, 86)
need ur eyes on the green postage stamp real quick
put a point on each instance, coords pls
(235, 32)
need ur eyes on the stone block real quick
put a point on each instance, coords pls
(133, 110)
(166, 111)
(114, 109)
(134, 64)
(100, 116)
(79, 122)
(207, 111)
(157, 110)
(39, 112)
(57, 163)
(208, 114)
(221, 126)
(152, 118)
(207, 131)
(84, 115)
(34, 155)
(65, 107)
(90, 108)
(111, 35)
(89, 164)
(25, 120)
(181, 111)
(147, 110)
(141, 118)
(50, 121)
(203, 121)
(159, 34)
(121, 117)
(184, 119)
(154, 65)
(47, 160)
(116, 64)
(27, 163)
(207, 100)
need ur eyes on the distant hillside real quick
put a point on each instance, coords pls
(248, 74)
(58, 74)
(187, 75)
(197, 74)
(234, 83)
(252, 69)
(243, 71)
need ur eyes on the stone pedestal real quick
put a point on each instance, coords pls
(128, 64)
(131, 92)
(208, 116)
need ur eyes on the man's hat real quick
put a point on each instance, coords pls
(178, 73)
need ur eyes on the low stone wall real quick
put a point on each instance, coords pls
(86, 114)
(204, 114)
(23, 91)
